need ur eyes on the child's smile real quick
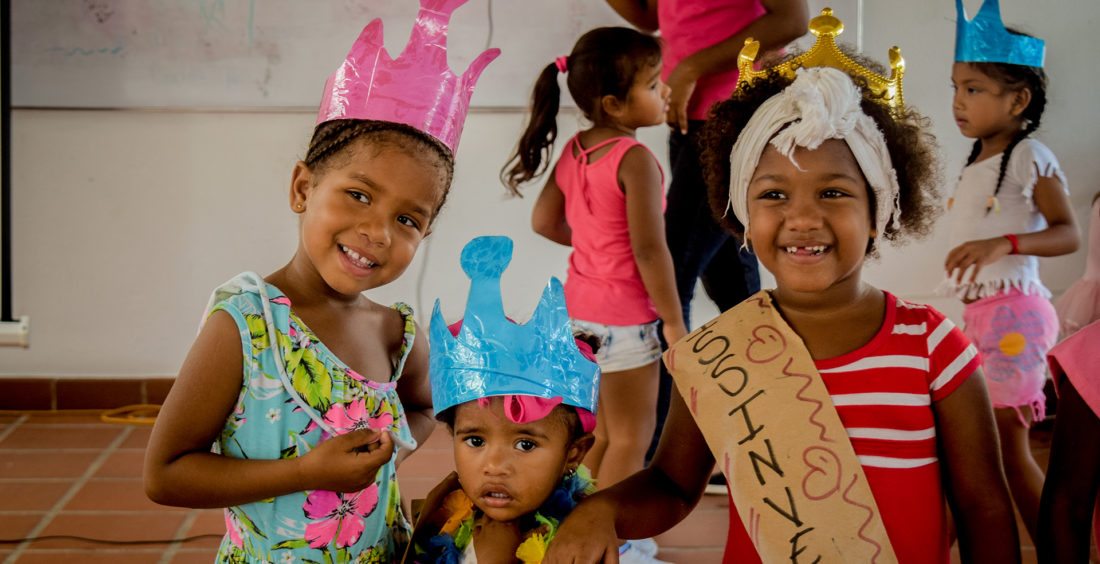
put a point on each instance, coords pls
(509, 469)
(362, 261)
(364, 218)
(810, 223)
(809, 250)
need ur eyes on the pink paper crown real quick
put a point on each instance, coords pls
(417, 89)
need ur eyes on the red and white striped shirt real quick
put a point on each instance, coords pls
(883, 393)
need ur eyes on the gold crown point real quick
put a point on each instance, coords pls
(749, 52)
(896, 60)
(826, 24)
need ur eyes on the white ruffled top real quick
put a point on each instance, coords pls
(968, 219)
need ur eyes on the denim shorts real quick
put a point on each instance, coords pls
(622, 347)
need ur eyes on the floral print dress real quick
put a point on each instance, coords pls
(295, 395)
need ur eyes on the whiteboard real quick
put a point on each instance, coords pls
(229, 54)
(262, 53)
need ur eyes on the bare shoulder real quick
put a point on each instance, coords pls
(639, 167)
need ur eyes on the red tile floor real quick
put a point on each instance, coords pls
(66, 477)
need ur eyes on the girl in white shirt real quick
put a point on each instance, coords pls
(1010, 206)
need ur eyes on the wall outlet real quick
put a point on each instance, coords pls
(15, 333)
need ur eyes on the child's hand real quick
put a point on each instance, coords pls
(586, 536)
(976, 254)
(345, 463)
(673, 332)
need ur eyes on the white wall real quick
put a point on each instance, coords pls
(123, 221)
(925, 31)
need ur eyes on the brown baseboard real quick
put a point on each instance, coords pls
(22, 394)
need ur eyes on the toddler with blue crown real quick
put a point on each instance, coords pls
(520, 402)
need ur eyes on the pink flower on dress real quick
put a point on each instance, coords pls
(349, 417)
(354, 415)
(339, 517)
(235, 528)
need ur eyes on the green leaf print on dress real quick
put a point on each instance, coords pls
(307, 373)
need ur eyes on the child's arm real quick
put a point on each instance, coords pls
(647, 503)
(548, 217)
(641, 14)
(1073, 480)
(641, 180)
(973, 479)
(415, 392)
(782, 22)
(1059, 238)
(179, 467)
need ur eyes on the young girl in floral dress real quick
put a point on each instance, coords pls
(300, 395)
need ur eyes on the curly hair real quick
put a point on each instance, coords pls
(911, 147)
(333, 140)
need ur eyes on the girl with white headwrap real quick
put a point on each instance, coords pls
(815, 170)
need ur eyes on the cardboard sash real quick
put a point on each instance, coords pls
(763, 409)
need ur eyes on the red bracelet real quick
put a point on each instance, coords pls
(1015, 243)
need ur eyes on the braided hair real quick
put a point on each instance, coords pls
(1014, 77)
(332, 140)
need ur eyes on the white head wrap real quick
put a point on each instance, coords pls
(822, 103)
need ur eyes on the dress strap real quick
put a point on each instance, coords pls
(582, 162)
(280, 364)
(407, 339)
(583, 153)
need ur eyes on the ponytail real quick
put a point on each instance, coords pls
(532, 155)
(603, 62)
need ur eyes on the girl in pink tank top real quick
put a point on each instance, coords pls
(605, 198)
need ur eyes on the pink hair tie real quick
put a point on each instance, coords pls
(562, 63)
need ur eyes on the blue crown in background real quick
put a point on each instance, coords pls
(492, 356)
(984, 39)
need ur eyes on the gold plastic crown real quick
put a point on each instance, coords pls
(825, 53)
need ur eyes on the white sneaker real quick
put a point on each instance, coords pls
(645, 546)
(633, 555)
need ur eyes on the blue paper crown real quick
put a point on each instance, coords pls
(984, 39)
(492, 356)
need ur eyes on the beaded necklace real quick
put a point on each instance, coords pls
(539, 527)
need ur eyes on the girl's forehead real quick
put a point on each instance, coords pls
(967, 71)
(472, 414)
(377, 155)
